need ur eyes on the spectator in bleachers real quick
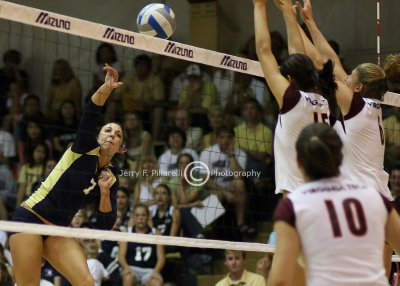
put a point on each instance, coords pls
(79, 218)
(184, 194)
(96, 268)
(105, 54)
(394, 184)
(123, 204)
(254, 137)
(149, 177)
(235, 261)
(33, 134)
(7, 145)
(183, 120)
(142, 92)
(11, 72)
(15, 101)
(391, 126)
(216, 118)
(64, 86)
(139, 141)
(247, 86)
(31, 111)
(198, 95)
(176, 144)
(64, 129)
(141, 262)
(165, 217)
(226, 163)
(31, 171)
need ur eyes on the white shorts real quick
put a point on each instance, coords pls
(142, 274)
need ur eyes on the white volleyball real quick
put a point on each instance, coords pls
(157, 20)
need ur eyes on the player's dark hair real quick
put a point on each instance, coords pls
(177, 130)
(319, 151)
(301, 68)
(185, 155)
(109, 47)
(226, 129)
(166, 187)
(12, 55)
(143, 59)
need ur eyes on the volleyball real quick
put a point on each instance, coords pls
(157, 20)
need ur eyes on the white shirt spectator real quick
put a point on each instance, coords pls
(168, 162)
(97, 270)
(218, 164)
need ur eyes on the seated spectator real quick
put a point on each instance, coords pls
(165, 217)
(64, 86)
(176, 144)
(79, 218)
(123, 204)
(49, 274)
(34, 134)
(31, 112)
(11, 72)
(235, 261)
(223, 160)
(5, 275)
(198, 95)
(255, 138)
(391, 126)
(105, 54)
(15, 101)
(142, 92)
(223, 80)
(7, 145)
(96, 268)
(141, 262)
(104, 257)
(149, 178)
(139, 141)
(64, 129)
(216, 118)
(31, 172)
(248, 86)
(183, 120)
(186, 194)
(394, 184)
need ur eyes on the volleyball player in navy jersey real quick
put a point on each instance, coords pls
(338, 225)
(84, 175)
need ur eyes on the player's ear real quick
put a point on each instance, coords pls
(122, 149)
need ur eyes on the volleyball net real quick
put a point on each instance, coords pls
(43, 37)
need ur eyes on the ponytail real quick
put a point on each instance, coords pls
(327, 87)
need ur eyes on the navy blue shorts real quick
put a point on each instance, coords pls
(21, 214)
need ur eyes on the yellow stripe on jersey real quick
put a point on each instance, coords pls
(63, 165)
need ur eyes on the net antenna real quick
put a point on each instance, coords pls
(378, 31)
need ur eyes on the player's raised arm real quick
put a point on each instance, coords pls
(319, 40)
(277, 83)
(104, 91)
(295, 41)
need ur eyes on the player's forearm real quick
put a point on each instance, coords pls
(263, 39)
(295, 41)
(105, 201)
(101, 95)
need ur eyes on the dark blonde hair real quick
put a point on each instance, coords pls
(373, 79)
(392, 68)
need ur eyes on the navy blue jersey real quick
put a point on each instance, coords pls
(142, 254)
(164, 223)
(73, 182)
